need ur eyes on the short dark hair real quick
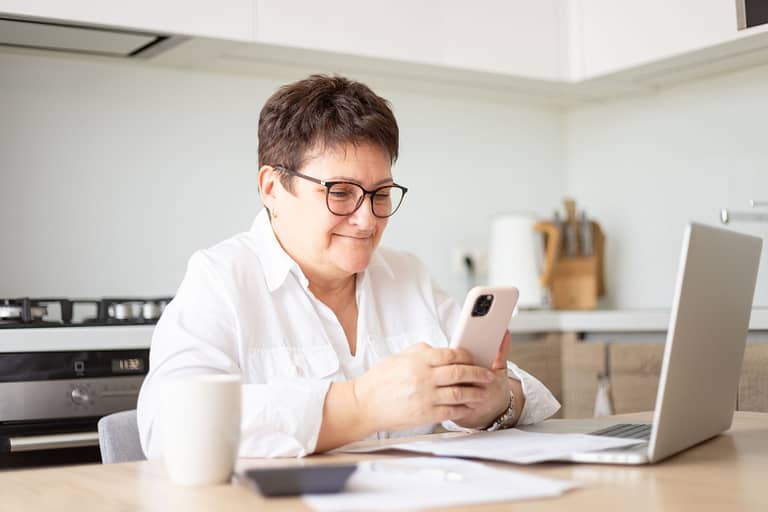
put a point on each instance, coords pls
(325, 112)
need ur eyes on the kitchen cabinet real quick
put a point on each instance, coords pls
(563, 52)
(635, 368)
(581, 365)
(540, 355)
(518, 37)
(570, 367)
(609, 36)
(626, 345)
(233, 19)
(753, 385)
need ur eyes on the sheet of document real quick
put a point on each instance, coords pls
(425, 482)
(511, 445)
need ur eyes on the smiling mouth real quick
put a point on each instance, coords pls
(355, 237)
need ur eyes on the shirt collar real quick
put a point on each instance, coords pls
(278, 264)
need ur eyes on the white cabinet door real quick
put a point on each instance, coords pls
(514, 37)
(396, 29)
(611, 35)
(227, 19)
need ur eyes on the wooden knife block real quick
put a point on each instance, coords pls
(576, 282)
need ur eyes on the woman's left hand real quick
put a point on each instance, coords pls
(484, 413)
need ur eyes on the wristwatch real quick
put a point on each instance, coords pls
(507, 419)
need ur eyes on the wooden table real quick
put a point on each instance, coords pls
(729, 473)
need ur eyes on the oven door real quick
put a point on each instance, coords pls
(50, 402)
(49, 442)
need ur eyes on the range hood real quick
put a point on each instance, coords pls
(83, 39)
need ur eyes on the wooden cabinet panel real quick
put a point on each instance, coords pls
(582, 364)
(635, 368)
(540, 356)
(634, 375)
(570, 368)
(753, 386)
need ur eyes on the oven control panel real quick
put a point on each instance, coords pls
(39, 400)
(44, 385)
(81, 394)
(85, 364)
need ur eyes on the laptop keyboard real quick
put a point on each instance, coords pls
(627, 430)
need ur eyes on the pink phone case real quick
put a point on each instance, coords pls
(482, 335)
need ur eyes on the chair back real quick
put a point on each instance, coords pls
(119, 438)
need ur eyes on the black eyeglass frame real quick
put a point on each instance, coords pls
(329, 184)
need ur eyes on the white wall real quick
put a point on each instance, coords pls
(113, 173)
(644, 166)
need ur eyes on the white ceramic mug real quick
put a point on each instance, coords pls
(201, 428)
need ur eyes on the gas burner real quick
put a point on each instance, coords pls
(14, 311)
(30, 312)
(123, 310)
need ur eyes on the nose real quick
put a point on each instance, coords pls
(363, 216)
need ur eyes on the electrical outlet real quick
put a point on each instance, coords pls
(479, 259)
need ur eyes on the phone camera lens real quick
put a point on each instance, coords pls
(482, 305)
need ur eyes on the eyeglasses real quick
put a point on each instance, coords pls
(345, 197)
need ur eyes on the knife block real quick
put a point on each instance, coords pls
(576, 282)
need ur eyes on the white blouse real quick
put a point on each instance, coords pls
(244, 307)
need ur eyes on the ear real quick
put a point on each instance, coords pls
(268, 185)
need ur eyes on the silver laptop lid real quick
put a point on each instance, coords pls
(706, 338)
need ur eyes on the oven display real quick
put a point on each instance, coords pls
(128, 365)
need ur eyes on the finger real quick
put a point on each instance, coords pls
(457, 395)
(462, 374)
(444, 356)
(503, 354)
(417, 347)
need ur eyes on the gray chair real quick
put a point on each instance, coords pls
(119, 438)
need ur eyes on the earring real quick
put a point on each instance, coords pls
(274, 214)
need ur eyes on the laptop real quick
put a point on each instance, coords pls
(704, 349)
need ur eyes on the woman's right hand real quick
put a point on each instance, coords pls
(420, 386)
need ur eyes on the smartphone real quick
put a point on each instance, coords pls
(292, 481)
(483, 322)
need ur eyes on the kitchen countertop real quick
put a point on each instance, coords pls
(624, 320)
(524, 322)
(57, 339)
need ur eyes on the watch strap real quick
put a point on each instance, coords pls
(508, 418)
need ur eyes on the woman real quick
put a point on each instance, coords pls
(335, 339)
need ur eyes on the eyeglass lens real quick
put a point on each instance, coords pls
(345, 198)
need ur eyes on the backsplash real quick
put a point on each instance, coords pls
(114, 173)
(647, 165)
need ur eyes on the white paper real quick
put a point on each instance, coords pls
(511, 445)
(424, 482)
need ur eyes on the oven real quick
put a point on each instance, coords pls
(64, 364)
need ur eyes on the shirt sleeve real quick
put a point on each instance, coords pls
(197, 334)
(540, 404)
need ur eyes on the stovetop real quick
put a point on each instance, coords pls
(26, 312)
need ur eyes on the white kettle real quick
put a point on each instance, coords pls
(516, 257)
